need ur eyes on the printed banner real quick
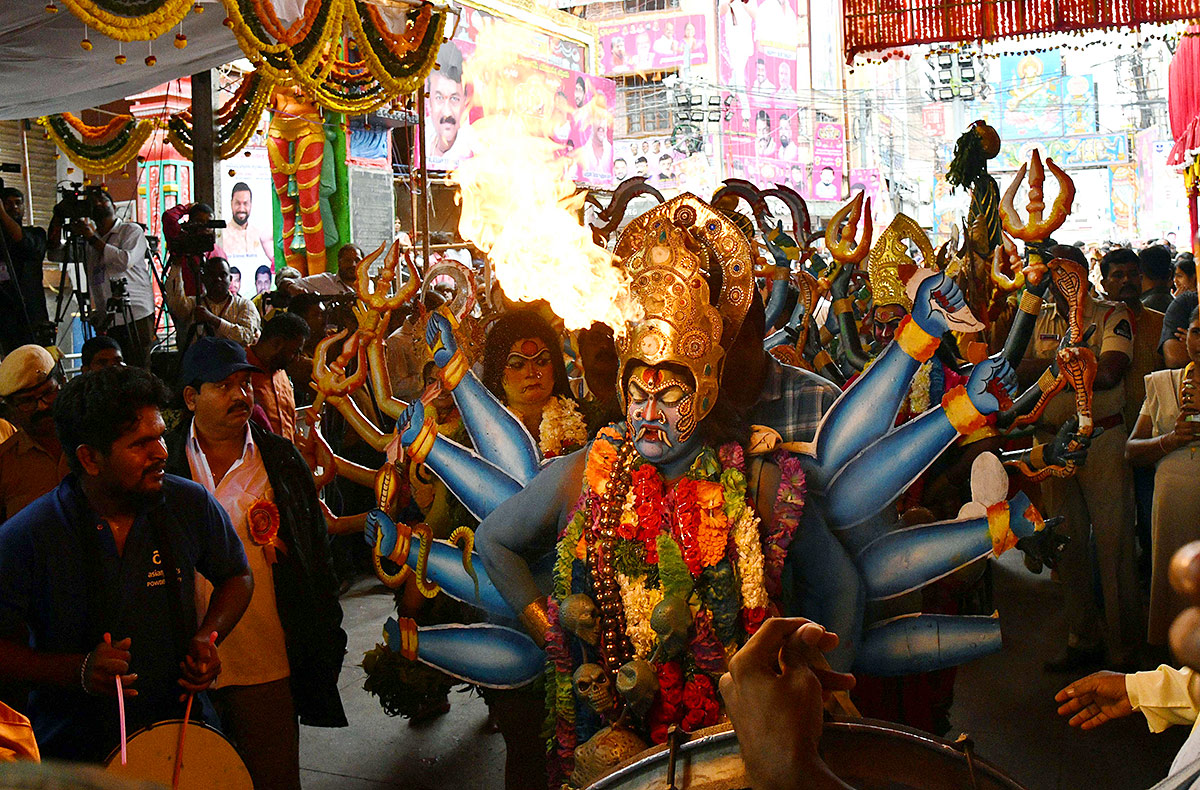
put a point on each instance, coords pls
(829, 158)
(1093, 150)
(245, 205)
(580, 116)
(766, 131)
(1036, 100)
(652, 43)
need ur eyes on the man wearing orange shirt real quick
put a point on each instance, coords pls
(278, 347)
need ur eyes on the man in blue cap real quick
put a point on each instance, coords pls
(284, 659)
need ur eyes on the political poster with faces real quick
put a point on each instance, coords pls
(245, 203)
(767, 134)
(652, 43)
(652, 157)
(578, 118)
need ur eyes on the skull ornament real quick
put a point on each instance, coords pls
(671, 620)
(593, 685)
(638, 683)
(578, 614)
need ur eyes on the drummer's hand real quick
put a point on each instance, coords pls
(1094, 700)
(104, 664)
(200, 666)
(773, 689)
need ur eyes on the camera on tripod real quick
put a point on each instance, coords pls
(197, 238)
(76, 201)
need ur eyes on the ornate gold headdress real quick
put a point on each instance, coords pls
(889, 254)
(672, 253)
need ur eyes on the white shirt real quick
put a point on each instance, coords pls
(325, 284)
(255, 651)
(238, 319)
(124, 255)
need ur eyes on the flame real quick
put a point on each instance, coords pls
(519, 204)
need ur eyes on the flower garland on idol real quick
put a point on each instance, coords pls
(682, 573)
(562, 429)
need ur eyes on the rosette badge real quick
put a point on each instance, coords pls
(263, 521)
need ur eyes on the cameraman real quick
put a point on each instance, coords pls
(190, 243)
(22, 301)
(113, 250)
(214, 311)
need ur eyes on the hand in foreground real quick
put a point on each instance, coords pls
(773, 693)
(1093, 700)
(104, 664)
(201, 665)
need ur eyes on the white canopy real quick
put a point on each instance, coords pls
(46, 71)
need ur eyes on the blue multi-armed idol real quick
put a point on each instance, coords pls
(636, 566)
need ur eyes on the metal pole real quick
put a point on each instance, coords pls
(28, 177)
(423, 180)
(203, 166)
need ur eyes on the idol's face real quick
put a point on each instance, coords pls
(661, 411)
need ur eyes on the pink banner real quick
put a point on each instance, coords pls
(829, 159)
(652, 44)
(580, 117)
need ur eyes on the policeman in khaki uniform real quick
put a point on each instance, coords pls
(1098, 499)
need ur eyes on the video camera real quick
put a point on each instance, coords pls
(196, 238)
(76, 201)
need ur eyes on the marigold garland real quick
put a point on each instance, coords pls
(388, 64)
(136, 20)
(234, 122)
(109, 156)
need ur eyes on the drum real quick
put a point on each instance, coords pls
(209, 761)
(867, 754)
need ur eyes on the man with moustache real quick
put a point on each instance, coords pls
(445, 144)
(31, 460)
(284, 659)
(97, 576)
(1121, 279)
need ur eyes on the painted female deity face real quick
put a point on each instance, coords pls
(528, 373)
(661, 411)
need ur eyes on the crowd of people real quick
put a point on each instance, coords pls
(190, 532)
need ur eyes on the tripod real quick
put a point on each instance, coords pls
(164, 323)
(73, 257)
(119, 305)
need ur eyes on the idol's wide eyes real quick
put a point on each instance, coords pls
(636, 393)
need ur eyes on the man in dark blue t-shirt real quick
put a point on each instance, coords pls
(97, 577)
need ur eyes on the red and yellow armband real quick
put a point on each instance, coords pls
(454, 370)
(842, 306)
(915, 341)
(408, 638)
(961, 413)
(999, 530)
(418, 451)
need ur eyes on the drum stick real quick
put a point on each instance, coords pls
(187, 716)
(120, 708)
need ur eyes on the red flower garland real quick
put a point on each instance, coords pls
(686, 528)
(649, 506)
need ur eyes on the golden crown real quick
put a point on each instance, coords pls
(675, 254)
